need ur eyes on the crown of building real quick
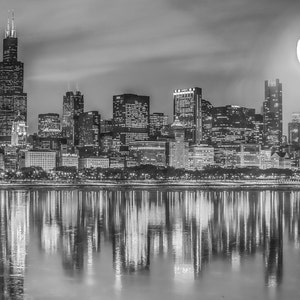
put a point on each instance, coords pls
(11, 31)
(177, 123)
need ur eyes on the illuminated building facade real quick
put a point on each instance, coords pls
(69, 160)
(200, 156)
(19, 132)
(232, 123)
(294, 130)
(13, 100)
(43, 159)
(149, 152)
(106, 126)
(227, 155)
(73, 106)
(187, 106)
(250, 155)
(272, 112)
(158, 122)
(131, 117)
(49, 125)
(89, 129)
(206, 112)
(178, 148)
(93, 162)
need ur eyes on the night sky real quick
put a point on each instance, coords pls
(226, 47)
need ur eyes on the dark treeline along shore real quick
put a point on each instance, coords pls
(148, 174)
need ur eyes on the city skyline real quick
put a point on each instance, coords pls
(227, 50)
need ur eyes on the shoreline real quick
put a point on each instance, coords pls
(156, 183)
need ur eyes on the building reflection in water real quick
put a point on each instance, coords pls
(14, 229)
(192, 227)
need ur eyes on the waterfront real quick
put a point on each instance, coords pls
(149, 243)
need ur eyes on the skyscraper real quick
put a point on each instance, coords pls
(12, 98)
(131, 117)
(49, 125)
(19, 132)
(272, 113)
(178, 148)
(73, 106)
(89, 128)
(232, 123)
(158, 122)
(294, 130)
(187, 106)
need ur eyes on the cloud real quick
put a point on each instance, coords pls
(129, 43)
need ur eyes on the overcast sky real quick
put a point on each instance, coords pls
(150, 47)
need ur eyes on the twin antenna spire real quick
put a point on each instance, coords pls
(11, 26)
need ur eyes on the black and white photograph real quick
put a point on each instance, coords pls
(149, 149)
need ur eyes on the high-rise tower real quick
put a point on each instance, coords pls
(73, 106)
(13, 100)
(188, 108)
(131, 117)
(272, 113)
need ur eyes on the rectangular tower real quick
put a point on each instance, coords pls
(12, 98)
(294, 130)
(131, 117)
(73, 106)
(49, 125)
(158, 122)
(272, 113)
(89, 129)
(187, 106)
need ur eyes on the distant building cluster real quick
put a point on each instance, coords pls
(198, 135)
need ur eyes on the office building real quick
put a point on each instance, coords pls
(149, 152)
(200, 156)
(187, 107)
(11, 158)
(19, 132)
(106, 126)
(157, 125)
(272, 113)
(232, 123)
(226, 155)
(49, 125)
(178, 148)
(294, 130)
(249, 155)
(89, 129)
(131, 117)
(73, 106)
(43, 159)
(93, 162)
(69, 160)
(13, 100)
(207, 123)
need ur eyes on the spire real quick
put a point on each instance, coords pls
(13, 26)
(7, 31)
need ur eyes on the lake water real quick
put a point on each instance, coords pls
(149, 244)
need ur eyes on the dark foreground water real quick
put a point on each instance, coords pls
(149, 244)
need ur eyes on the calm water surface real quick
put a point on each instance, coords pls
(149, 244)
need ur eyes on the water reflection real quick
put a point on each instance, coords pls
(191, 229)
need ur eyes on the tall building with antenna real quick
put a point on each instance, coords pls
(13, 100)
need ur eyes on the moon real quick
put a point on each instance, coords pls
(298, 50)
